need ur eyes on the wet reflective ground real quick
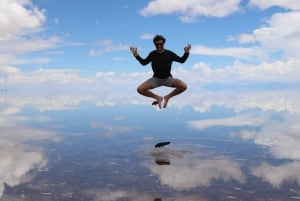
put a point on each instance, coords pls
(225, 145)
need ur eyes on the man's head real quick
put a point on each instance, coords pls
(159, 42)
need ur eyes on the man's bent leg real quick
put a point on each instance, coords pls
(179, 86)
(144, 89)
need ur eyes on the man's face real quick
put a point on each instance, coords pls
(159, 44)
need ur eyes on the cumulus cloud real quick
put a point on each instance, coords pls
(27, 45)
(279, 34)
(15, 77)
(191, 9)
(107, 46)
(235, 52)
(288, 4)
(54, 89)
(242, 73)
(20, 25)
(19, 16)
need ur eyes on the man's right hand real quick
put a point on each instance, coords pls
(134, 51)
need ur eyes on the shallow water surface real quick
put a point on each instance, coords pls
(225, 145)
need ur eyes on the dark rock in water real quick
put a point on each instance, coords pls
(161, 144)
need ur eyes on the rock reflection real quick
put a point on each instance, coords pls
(162, 161)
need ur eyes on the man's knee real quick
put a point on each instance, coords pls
(140, 90)
(180, 85)
(183, 86)
(144, 87)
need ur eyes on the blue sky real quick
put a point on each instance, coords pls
(233, 41)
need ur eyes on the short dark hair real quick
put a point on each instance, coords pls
(159, 37)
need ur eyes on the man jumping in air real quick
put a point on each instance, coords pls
(161, 61)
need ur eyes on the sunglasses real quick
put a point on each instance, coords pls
(159, 44)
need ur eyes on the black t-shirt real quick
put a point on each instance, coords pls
(161, 62)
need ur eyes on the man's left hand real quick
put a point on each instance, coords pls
(187, 48)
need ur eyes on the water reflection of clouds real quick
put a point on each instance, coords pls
(19, 160)
(111, 195)
(107, 130)
(239, 120)
(281, 135)
(201, 100)
(277, 175)
(279, 131)
(114, 195)
(187, 172)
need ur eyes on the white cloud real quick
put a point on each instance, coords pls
(67, 88)
(282, 33)
(278, 175)
(20, 27)
(103, 42)
(27, 45)
(288, 4)
(19, 16)
(235, 52)
(147, 36)
(239, 73)
(42, 76)
(109, 47)
(243, 38)
(191, 9)
(9, 69)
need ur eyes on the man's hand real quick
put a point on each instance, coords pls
(187, 48)
(134, 51)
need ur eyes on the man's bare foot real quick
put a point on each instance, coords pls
(159, 100)
(166, 99)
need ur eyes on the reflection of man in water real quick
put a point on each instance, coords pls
(162, 161)
(157, 199)
(161, 61)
